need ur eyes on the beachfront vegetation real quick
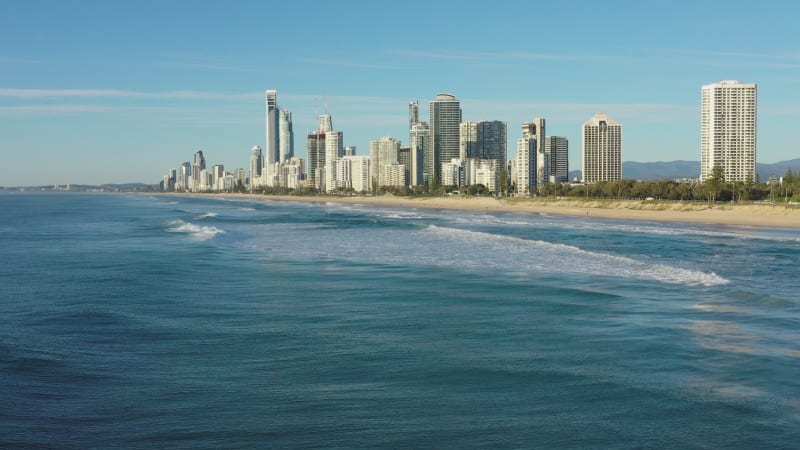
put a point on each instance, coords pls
(715, 189)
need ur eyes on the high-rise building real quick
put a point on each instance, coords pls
(542, 158)
(184, 177)
(602, 149)
(286, 141)
(240, 177)
(420, 144)
(728, 130)
(524, 166)
(394, 175)
(382, 152)
(290, 173)
(272, 129)
(217, 172)
(359, 172)
(315, 147)
(530, 149)
(256, 163)
(349, 150)
(334, 149)
(404, 158)
(325, 123)
(558, 149)
(198, 165)
(445, 119)
(413, 113)
(484, 140)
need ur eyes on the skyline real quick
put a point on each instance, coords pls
(93, 92)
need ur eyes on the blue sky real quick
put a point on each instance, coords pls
(117, 91)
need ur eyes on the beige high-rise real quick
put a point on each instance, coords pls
(602, 149)
(728, 130)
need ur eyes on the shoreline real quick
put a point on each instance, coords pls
(753, 215)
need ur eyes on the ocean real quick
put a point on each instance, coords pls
(152, 321)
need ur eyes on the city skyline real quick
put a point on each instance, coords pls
(109, 93)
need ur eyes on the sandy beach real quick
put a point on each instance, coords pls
(757, 215)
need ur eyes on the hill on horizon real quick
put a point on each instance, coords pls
(671, 170)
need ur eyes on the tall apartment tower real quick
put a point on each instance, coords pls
(528, 149)
(198, 165)
(420, 144)
(315, 147)
(256, 163)
(558, 149)
(602, 149)
(286, 135)
(728, 130)
(413, 113)
(334, 149)
(382, 152)
(445, 119)
(542, 158)
(273, 129)
(484, 140)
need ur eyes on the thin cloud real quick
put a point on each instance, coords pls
(7, 60)
(357, 65)
(793, 56)
(120, 93)
(28, 110)
(716, 58)
(201, 65)
(508, 56)
(579, 112)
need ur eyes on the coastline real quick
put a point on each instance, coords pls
(754, 215)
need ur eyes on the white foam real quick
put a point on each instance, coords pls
(197, 231)
(207, 215)
(541, 256)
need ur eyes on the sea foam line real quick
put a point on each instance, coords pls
(546, 256)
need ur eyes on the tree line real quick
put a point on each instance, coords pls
(715, 189)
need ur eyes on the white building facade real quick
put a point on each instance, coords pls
(728, 130)
(602, 149)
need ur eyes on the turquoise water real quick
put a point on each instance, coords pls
(181, 322)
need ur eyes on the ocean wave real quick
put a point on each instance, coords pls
(206, 215)
(200, 232)
(550, 257)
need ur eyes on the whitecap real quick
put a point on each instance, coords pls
(541, 256)
(200, 232)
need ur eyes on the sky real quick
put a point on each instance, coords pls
(121, 91)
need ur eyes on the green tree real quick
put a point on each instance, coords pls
(503, 182)
(715, 184)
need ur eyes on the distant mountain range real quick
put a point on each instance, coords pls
(670, 170)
